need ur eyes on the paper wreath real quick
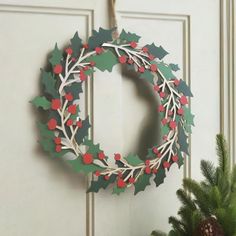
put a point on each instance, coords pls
(65, 132)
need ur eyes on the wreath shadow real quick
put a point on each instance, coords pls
(150, 131)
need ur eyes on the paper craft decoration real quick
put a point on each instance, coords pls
(65, 132)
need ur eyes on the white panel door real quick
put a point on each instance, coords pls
(189, 31)
(39, 195)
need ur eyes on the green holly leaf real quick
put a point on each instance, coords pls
(133, 160)
(56, 56)
(83, 131)
(89, 72)
(164, 130)
(49, 84)
(165, 70)
(188, 116)
(148, 76)
(124, 36)
(41, 102)
(184, 88)
(76, 44)
(150, 154)
(78, 165)
(105, 61)
(182, 140)
(96, 185)
(75, 89)
(180, 159)
(100, 37)
(117, 190)
(160, 176)
(142, 183)
(188, 128)
(93, 149)
(174, 67)
(44, 131)
(158, 52)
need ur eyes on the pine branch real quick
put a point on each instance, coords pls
(158, 233)
(222, 152)
(177, 225)
(209, 172)
(185, 199)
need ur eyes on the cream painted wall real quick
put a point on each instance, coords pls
(40, 196)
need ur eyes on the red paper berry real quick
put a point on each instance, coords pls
(58, 148)
(57, 69)
(145, 49)
(82, 75)
(92, 63)
(148, 170)
(156, 88)
(159, 155)
(117, 156)
(86, 68)
(130, 61)
(106, 177)
(101, 155)
(183, 100)
(72, 109)
(176, 82)
(69, 122)
(79, 123)
(98, 50)
(141, 69)
(172, 124)
(97, 173)
(122, 59)
(147, 162)
(153, 67)
(87, 158)
(175, 158)
(52, 124)
(131, 180)
(121, 183)
(161, 108)
(151, 57)
(164, 137)
(155, 150)
(57, 140)
(162, 94)
(154, 171)
(85, 45)
(166, 164)
(69, 97)
(55, 104)
(170, 113)
(69, 51)
(133, 44)
(73, 59)
(180, 111)
(164, 121)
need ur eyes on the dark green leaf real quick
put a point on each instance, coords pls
(49, 84)
(117, 190)
(182, 140)
(56, 56)
(148, 76)
(129, 36)
(160, 176)
(165, 70)
(184, 88)
(100, 37)
(83, 131)
(158, 52)
(75, 89)
(133, 160)
(41, 102)
(188, 116)
(174, 67)
(76, 44)
(142, 183)
(94, 149)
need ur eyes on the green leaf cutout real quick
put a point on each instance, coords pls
(158, 52)
(129, 36)
(76, 44)
(184, 88)
(56, 56)
(160, 176)
(49, 84)
(174, 67)
(100, 37)
(165, 71)
(142, 183)
(182, 140)
(105, 61)
(148, 76)
(117, 190)
(78, 165)
(188, 116)
(83, 131)
(133, 160)
(41, 102)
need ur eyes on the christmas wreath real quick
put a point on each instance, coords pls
(65, 132)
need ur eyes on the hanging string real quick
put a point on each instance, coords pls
(113, 19)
